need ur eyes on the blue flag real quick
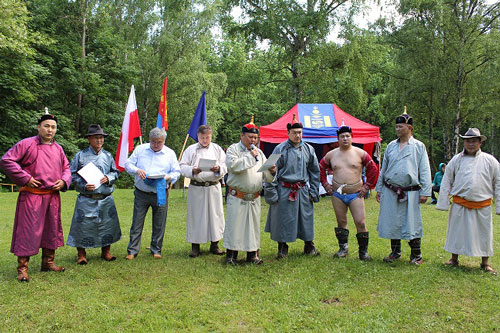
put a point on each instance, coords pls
(200, 118)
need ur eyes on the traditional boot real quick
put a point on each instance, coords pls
(309, 249)
(195, 250)
(82, 256)
(253, 257)
(363, 238)
(214, 249)
(396, 251)
(22, 269)
(106, 254)
(48, 261)
(282, 250)
(343, 237)
(416, 254)
(231, 257)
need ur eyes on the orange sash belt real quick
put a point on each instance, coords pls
(36, 190)
(471, 204)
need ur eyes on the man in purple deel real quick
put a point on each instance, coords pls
(39, 166)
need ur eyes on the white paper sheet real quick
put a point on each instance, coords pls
(91, 174)
(206, 164)
(270, 162)
(158, 176)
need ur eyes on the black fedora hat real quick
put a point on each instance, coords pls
(95, 129)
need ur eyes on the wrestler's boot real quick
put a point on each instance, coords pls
(253, 257)
(343, 237)
(396, 251)
(416, 255)
(106, 254)
(310, 249)
(363, 238)
(214, 249)
(195, 250)
(22, 269)
(282, 250)
(48, 261)
(82, 256)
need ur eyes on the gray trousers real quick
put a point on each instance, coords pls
(142, 202)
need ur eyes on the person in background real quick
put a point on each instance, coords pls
(436, 183)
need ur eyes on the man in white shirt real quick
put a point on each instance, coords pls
(155, 168)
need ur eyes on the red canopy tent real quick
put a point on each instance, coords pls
(321, 122)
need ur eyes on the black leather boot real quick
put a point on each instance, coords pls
(363, 238)
(310, 249)
(343, 237)
(282, 250)
(416, 254)
(253, 257)
(195, 250)
(396, 251)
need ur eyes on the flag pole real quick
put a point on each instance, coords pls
(183, 146)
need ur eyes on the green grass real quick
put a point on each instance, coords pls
(299, 293)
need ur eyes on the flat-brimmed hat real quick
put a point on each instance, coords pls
(473, 133)
(95, 129)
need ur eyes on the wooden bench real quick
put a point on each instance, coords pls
(11, 186)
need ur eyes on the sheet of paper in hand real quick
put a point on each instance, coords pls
(91, 174)
(270, 162)
(206, 164)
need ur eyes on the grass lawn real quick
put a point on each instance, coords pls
(201, 294)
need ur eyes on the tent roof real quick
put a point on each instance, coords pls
(321, 122)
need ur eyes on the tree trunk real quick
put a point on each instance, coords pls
(79, 112)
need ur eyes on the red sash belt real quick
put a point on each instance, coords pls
(294, 187)
(36, 190)
(471, 204)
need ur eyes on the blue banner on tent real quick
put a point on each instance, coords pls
(319, 122)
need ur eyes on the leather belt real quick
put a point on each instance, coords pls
(242, 195)
(400, 191)
(95, 196)
(205, 184)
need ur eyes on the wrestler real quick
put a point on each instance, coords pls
(348, 190)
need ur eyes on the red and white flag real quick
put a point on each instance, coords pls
(131, 129)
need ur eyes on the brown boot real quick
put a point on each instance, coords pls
(105, 253)
(214, 249)
(48, 261)
(22, 269)
(82, 256)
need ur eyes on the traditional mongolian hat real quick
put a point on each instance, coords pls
(250, 128)
(405, 118)
(473, 133)
(95, 129)
(294, 124)
(344, 128)
(47, 116)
